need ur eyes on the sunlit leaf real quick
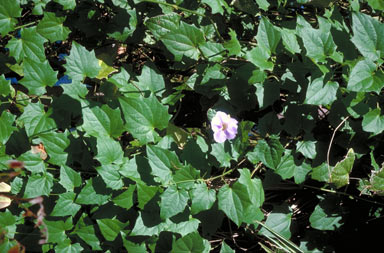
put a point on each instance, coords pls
(110, 228)
(143, 116)
(29, 46)
(373, 121)
(6, 126)
(368, 36)
(38, 185)
(9, 11)
(340, 173)
(52, 28)
(173, 201)
(365, 77)
(36, 120)
(81, 63)
(65, 205)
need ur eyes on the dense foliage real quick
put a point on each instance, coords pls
(105, 125)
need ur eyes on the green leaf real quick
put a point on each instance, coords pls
(110, 174)
(290, 40)
(110, 228)
(162, 163)
(259, 57)
(38, 75)
(87, 234)
(307, 148)
(320, 173)
(233, 201)
(185, 177)
(180, 38)
(76, 90)
(368, 36)
(217, 6)
(173, 201)
(88, 196)
(30, 46)
(56, 144)
(133, 247)
(233, 45)
(269, 152)
(81, 63)
(9, 11)
(67, 4)
(68, 247)
(52, 28)
(150, 79)
(6, 126)
(65, 205)
(326, 215)
(263, 4)
(145, 193)
(376, 4)
(279, 220)
(125, 199)
(340, 173)
(38, 185)
(318, 42)
(268, 37)
(213, 51)
(365, 78)
(286, 168)
(56, 230)
(254, 187)
(202, 198)
(377, 181)
(36, 120)
(102, 121)
(163, 24)
(69, 178)
(225, 248)
(320, 94)
(109, 151)
(192, 243)
(182, 228)
(222, 153)
(5, 86)
(373, 121)
(143, 115)
(121, 80)
(32, 162)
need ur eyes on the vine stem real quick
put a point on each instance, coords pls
(176, 7)
(22, 26)
(330, 144)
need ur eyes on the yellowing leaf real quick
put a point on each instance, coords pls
(105, 70)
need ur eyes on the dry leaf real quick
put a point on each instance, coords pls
(15, 164)
(4, 187)
(39, 149)
(4, 201)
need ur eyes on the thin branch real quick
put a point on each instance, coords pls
(330, 144)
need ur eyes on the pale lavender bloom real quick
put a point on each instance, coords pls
(224, 127)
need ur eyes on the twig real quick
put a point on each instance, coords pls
(330, 144)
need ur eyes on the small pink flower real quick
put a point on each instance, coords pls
(224, 127)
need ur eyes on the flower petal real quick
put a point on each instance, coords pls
(220, 136)
(216, 123)
(230, 135)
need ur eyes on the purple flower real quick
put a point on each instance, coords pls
(224, 127)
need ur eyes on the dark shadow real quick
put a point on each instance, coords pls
(65, 111)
